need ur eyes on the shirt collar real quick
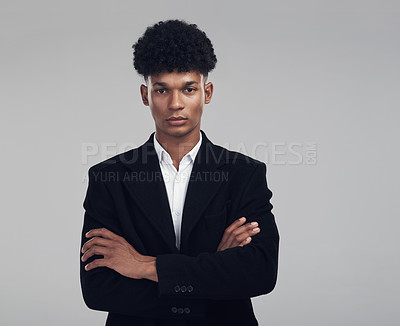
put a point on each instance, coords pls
(164, 155)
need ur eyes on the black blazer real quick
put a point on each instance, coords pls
(198, 286)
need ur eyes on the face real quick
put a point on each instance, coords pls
(176, 100)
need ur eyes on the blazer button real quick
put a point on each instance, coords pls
(180, 310)
(177, 288)
(183, 288)
(187, 310)
(190, 288)
(174, 310)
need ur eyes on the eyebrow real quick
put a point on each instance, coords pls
(162, 84)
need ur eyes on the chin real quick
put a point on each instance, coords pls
(179, 133)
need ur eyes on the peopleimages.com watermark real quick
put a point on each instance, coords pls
(157, 176)
(272, 153)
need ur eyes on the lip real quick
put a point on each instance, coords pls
(176, 118)
(176, 122)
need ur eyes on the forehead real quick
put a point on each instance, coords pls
(175, 78)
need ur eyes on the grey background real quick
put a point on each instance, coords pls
(289, 72)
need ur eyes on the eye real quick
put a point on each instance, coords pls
(190, 89)
(160, 90)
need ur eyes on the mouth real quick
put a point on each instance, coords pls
(176, 121)
(176, 118)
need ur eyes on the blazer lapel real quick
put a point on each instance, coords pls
(149, 191)
(203, 185)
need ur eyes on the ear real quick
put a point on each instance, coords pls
(208, 92)
(144, 93)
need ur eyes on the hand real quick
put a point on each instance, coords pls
(118, 255)
(237, 234)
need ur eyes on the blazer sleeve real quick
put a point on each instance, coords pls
(106, 290)
(239, 272)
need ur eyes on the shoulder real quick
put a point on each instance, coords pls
(240, 167)
(115, 162)
(237, 160)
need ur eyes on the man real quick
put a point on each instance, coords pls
(164, 239)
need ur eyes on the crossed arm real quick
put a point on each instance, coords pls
(116, 277)
(122, 257)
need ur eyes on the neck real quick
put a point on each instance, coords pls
(178, 147)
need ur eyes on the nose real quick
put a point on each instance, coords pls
(176, 102)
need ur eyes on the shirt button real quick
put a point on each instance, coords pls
(183, 288)
(174, 310)
(190, 288)
(177, 288)
(180, 310)
(187, 310)
(177, 213)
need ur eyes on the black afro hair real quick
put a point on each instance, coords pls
(173, 45)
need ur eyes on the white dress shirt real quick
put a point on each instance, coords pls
(176, 182)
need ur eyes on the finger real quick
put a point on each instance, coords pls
(241, 233)
(245, 228)
(102, 232)
(236, 224)
(95, 250)
(101, 262)
(97, 241)
(245, 242)
(243, 236)
(230, 228)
